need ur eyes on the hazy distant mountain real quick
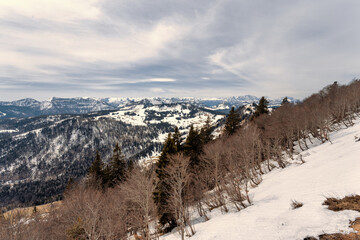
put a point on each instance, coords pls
(30, 107)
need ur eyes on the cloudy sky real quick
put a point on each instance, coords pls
(204, 48)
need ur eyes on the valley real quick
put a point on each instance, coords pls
(38, 155)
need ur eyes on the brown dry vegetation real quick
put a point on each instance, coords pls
(339, 236)
(346, 203)
(29, 212)
(296, 204)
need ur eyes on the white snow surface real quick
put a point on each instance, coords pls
(9, 131)
(179, 116)
(46, 105)
(218, 107)
(330, 170)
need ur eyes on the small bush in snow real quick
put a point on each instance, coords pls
(295, 204)
(347, 203)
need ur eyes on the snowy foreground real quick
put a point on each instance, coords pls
(331, 170)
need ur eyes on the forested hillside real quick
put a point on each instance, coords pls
(39, 155)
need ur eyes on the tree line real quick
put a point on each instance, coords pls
(121, 198)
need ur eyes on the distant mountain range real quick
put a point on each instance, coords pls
(30, 107)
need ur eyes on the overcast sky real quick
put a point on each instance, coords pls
(200, 48)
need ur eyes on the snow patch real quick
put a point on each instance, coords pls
(9, 131)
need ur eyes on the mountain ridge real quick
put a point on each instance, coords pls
(29, 107)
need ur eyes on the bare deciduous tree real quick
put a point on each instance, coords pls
(96, 214)
(178, 179)
(138, 192)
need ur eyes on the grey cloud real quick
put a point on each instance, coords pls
(272, 47)
(145, 13)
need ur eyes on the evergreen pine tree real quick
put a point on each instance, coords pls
(232, 122)
(330, 90)
(205, 131)
(70, 184)
(116, 170)
(130, 165)
(169, 148)
(193, 146)
(261, 108)
(107, 177)
(161, 196)
(285, 101)
(96, 169)
(177, 139)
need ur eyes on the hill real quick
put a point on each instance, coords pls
(330, 170)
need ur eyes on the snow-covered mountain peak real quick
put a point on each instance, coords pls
(27, 102)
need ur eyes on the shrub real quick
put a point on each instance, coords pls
(295, 204)
(347, 203)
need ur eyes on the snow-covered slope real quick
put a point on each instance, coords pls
(330, 170)
(181, 115)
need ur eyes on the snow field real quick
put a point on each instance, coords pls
(178, 117)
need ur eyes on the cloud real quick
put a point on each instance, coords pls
(51, 10)
(160, 80)
(157, 90)
(192, 48)
(301, 49)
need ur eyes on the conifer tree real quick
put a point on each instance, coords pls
(177, 139)
(169, 148)
(116, 170)
(193, 146)
(106, 179)
(130, 165)
(261, 108)
(285, 101)
(232, 122)
(161, 196)
(96, 169)
(70, 184)
(205, 131)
